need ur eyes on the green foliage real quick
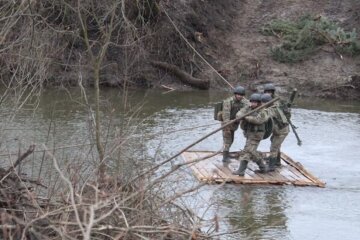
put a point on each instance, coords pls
(303, 38)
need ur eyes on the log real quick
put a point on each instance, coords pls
(182, 75)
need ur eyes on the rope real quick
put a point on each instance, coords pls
(189, 44)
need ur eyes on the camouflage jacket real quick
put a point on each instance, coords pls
(231, 106)
(278, 116)
(256, 121)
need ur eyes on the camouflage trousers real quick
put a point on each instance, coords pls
(228, 135)
(250, 150)
(277, 138)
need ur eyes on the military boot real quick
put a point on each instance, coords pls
(262, 167)
(267, 160)
(226, 157)
(272, 164)
(278, 161)
(242, 168)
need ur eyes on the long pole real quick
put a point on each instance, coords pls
(209, 134)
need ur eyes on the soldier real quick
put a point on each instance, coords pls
(230, 107)
(280, 113)
(254, 131)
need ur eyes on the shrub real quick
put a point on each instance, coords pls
(303, 38)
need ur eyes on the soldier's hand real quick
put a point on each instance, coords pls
(247, 118)
(239, 114)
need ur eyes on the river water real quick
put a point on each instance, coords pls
(330, 131)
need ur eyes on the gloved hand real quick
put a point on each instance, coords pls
(248, 118)
(238, 114)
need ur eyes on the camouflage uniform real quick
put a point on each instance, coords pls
(254, 130)
(279, 113)
(230, 107)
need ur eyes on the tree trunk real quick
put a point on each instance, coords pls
(102, 166)
(182, 75)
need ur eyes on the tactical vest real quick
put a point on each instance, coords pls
(280, 119)
(235, 107)
(266, 127)
(250, 127)
(283, 105)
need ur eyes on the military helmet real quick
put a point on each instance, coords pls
(265, 98)
(239, 90)
(255, 97)
(269, 87)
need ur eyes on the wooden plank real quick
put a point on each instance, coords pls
(212, 170)
(277, 176)
(292, 172)
(298, 174)
(253, 167)
(209, 175)
(284, 171)
(272, 176)
(218, 176)
(224, 172)
(210, 165)
(266, 176)
(204, 174)
(197, 173)
(233, 166)
(301, 169)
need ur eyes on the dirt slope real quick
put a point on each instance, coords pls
(232, 42)
(318, 75)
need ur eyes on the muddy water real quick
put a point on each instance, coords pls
(330, 132)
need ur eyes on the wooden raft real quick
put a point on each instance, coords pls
(208, 167)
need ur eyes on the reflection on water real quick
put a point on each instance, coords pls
(330, 131)
(258, 213)
(328, 105)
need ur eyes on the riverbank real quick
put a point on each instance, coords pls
(174, 45)
(234, 45)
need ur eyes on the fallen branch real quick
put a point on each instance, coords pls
(168, 88)
(182, 75)
(338, 86)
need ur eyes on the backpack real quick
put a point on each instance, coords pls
(218, 111)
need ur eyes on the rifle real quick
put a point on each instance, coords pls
(293, 127)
